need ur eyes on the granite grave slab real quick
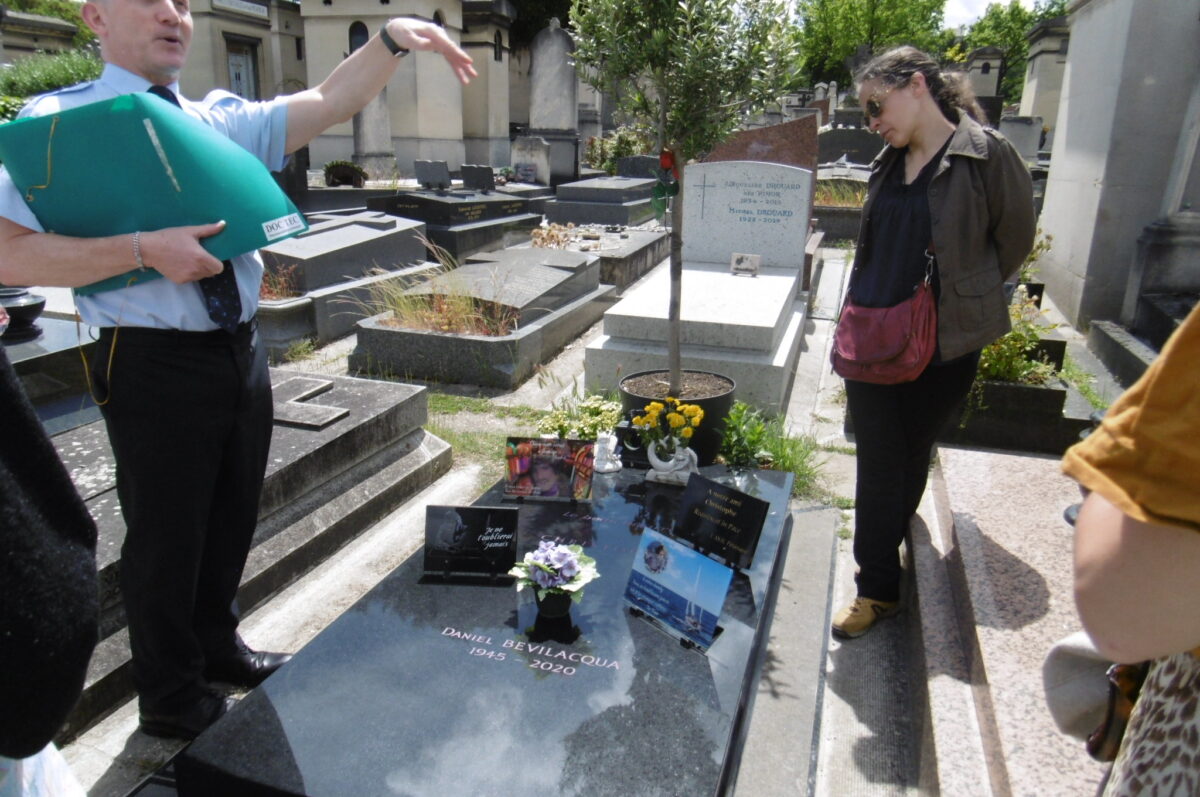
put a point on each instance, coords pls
(554, 305)
(338, 247)
(602, 200)
(623, 709)
(463, 222)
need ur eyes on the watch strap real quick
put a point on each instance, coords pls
(390, 43)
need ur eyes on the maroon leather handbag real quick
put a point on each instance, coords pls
(886, 345)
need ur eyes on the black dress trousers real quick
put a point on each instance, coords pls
(189, 419)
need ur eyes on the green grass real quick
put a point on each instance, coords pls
(300, 350)
(448, 404)
(485, 449)
(1075, 375)
(464, 423)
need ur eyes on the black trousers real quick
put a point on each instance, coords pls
(189, 420)
(894, 429)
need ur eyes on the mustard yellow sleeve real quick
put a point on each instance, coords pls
(1145, 457)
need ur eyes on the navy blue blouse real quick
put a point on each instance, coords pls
(899, 231)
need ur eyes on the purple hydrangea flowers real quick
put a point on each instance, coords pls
(553, 566)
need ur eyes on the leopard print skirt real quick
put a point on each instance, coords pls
(1160, 754)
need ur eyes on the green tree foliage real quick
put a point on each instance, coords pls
(44, 72)
(689, 70)
(832, 31)
(1006, 27)
(67, 10)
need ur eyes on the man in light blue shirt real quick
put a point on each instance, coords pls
(185, 393)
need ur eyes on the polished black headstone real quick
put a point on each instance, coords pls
(478, 178)
(431, 689)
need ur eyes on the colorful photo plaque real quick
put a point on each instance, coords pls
(681, 590)
(549, 469)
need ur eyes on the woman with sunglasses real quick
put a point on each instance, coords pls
(951, 199)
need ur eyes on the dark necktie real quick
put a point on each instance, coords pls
(220, 291)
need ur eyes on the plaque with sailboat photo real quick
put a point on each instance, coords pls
(680, 589)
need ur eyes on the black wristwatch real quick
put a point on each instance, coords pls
(390, 43)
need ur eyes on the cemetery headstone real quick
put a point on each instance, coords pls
(478, 178)
(746, 328)
(1024, 133)
(553, 100)
(638, 166)
(791, 144)
(749, 207)
(531, 159)
(373, 138)
(433, 175)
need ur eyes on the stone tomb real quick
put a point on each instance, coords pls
(462, 222)
(603, 200)
(436, 689)
(555, 296)
(344, 453)
(747, 328)
(330, 270)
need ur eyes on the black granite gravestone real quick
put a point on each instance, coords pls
(638, 166)
(478, 178)
(430, 689)
(433, 175)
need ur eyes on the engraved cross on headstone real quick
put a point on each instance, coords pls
(292, 407)
(704, 185)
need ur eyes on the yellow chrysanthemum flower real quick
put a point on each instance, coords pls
(686, 433)
(675, 420)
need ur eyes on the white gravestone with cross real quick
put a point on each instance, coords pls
(747, 327)
(746, 207)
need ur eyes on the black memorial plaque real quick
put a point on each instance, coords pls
(470, 542)
(436, 689)
(721, 520)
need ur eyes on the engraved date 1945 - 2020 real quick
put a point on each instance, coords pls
(548, 658)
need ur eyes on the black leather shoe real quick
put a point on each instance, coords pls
(248, 668)
(187, 722)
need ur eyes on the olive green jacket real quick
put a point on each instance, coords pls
(981, 210)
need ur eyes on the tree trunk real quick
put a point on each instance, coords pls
(673, 357)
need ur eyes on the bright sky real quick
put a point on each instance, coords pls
(964, 12)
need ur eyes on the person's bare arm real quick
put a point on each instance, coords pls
(1135, 583)
(28, 257)
(359, 78)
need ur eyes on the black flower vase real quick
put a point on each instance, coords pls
(555, 604)
(553, 621)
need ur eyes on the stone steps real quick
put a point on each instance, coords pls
(323, 487)
(992, 565)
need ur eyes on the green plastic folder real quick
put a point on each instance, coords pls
(139, 163)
